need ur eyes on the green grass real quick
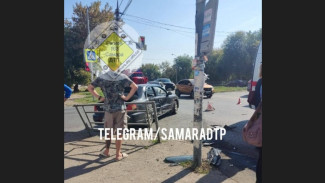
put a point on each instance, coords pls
(88, 98)
(218, 89)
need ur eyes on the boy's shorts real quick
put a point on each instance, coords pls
(115, 120)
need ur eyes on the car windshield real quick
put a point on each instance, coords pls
(164, 80)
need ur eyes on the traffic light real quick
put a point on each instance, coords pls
(142, 40)
(141, 43)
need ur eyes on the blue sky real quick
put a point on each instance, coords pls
(165, 45)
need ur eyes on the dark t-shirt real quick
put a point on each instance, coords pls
(113, 88)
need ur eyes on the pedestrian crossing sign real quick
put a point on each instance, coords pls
(90, 55)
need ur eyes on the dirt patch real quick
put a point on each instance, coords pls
(82, 163)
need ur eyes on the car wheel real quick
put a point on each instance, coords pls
(174, 108)
(192, 94)
(177, 93)
(209, 96)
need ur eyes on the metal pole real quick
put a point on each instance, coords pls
(91, 64)
(176, 72)
(117, 18)
(156, 118)
(83, 121)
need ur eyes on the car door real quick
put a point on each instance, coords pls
(188, 87)
(151, 96)
(161, 99)
(181, 86)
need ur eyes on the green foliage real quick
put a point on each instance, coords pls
(75, 34)
(218, 89)
(212, 68)
(151, 71)
(234, 60)
(88, 98)
(183, 68)
(164, 66)
(238, 58)
(82, 77)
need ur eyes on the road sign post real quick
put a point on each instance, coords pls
(205, 21)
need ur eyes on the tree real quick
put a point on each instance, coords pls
(212, 68)
(239, 52)
(182, 67)
(164, 66)
(75, 34)
(151, 71)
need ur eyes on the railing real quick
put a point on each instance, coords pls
(148, 115)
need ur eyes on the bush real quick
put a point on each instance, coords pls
(82, 77)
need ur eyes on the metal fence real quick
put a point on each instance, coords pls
(150, 115)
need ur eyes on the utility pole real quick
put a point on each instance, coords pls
(198, 81)
(205, 21)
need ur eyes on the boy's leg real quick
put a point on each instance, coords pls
(108, 124)
(121, 122)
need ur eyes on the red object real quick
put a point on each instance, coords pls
(139, 78)
(210, 107)
(87, 67)
(238, 101)
(131, 107)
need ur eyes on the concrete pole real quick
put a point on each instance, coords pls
(198, 83)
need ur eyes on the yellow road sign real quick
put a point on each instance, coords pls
(113, 51)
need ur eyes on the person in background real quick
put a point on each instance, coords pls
(257, 100)
(257, 95)
(67, 92)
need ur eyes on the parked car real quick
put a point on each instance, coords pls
(166, 102)
(138, 78)
(157, 83)
(186, 86)
(237, 83)
(169, 85)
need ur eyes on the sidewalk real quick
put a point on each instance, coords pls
(145, 163)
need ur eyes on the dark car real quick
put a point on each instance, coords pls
(237, 83)
(166, 102)
(157, 83)
(169, 85)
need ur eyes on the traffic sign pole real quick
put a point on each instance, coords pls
(91, 64)
(198, 81)
(205, 19)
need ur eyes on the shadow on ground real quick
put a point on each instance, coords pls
(87, 157)
(76, 136)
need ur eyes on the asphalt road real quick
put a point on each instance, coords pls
(227, 112)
